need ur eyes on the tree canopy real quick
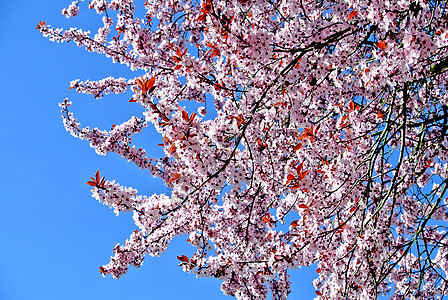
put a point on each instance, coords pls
(320, 138)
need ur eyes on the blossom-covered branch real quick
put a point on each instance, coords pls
(320, 138)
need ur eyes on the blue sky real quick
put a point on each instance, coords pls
(54, 235)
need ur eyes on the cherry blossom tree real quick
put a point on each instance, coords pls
(324, 141)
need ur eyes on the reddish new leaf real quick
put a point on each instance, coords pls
(140, 83)
(352, 14)
(267, 219)
(351, 106)
(183, 258)
(175, 177)
(185, 116)
(297, 147)
(303, 174)
(150, 83)
(381, 45)
(299, 167)
(179, 53)
(201, 17)
(294, 223)
(97, 176)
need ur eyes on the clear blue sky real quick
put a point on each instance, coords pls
(53, 234)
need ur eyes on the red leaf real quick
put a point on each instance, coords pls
(183, 258)
(201, 17)
(193, 115)
(175, 177)
(309, 131)
(381, 45)
(154, 107)
(294, 223)
(40, 24)
(303, 206)
(150, 83)
(91, 183)
(133, 100)
(185, 116)
(319, 293)
(146, 84)
(215, 53)
(290, 177)
(206, 6)
(97, 176)
(177, 67)
(267, 219)
(318, 270)
(140, 83)
(352, 14)
(298, 146)
(179, 54)
(151, 90)
(303, 174)
(351, 105)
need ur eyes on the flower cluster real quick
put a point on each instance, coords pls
(321, 139)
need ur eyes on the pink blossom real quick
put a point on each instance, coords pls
(323, 142)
